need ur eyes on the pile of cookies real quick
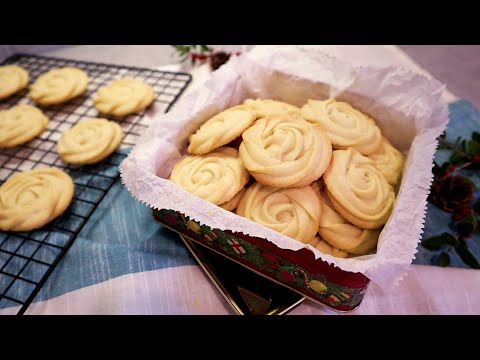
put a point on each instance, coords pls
(32, 198)
(322, 174)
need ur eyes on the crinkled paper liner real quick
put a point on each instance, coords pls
(407, 107)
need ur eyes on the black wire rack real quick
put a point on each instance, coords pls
(28, 258)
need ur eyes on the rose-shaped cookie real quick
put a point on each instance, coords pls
(293, 211)
(33, 198)
(323, 246)
(21, 123)
(388, 160)
(12, 79)
(221, 129)
(89, 141)
(358, 190)
(285, 151)
(267, 107)
(346, 126)
(123, 96)
(59, 85)
(233, 204)
(340, 233)
(216, 177)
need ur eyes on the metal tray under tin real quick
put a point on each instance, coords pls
(246, 292)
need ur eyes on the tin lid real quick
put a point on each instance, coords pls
(245, 292)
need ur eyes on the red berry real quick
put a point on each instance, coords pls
(461, 213)
(451, 168)
(476, 159)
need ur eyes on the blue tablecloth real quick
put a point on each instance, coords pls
(122, 237)
(464, 119)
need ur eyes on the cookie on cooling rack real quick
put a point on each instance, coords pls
(59, 85)
(20, 124)
(89, 141)
(33, 198)
(13, 78)
(123, 97)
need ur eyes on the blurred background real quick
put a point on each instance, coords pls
(457, 66)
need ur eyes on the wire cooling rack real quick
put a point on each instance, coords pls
(28, 258)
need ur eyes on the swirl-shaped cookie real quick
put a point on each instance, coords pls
(19, 124)
(216, 177)
(221, 129)
(388, 160)
(89, 141)
(285, 151)
(59, 85)
(267, 107)
(12, 79)
(358, 190)
(341, 234)
(346, 126)
(323, 246)
(293, 212)
(33, 198)
(233, 204)
(123, 96)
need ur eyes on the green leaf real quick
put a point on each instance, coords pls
(457, 142)
(204, 48)
(474, 147)
(476, 206)
(476, 136)
(439, 171)
(444, 259)
(467, 257)
(182, 49)
(468, 225)
(436, 242)
(456, 158)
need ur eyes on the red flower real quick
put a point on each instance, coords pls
(452, 192)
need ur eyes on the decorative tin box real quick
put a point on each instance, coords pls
(409, 111)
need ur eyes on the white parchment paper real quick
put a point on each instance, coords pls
(406, 106)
